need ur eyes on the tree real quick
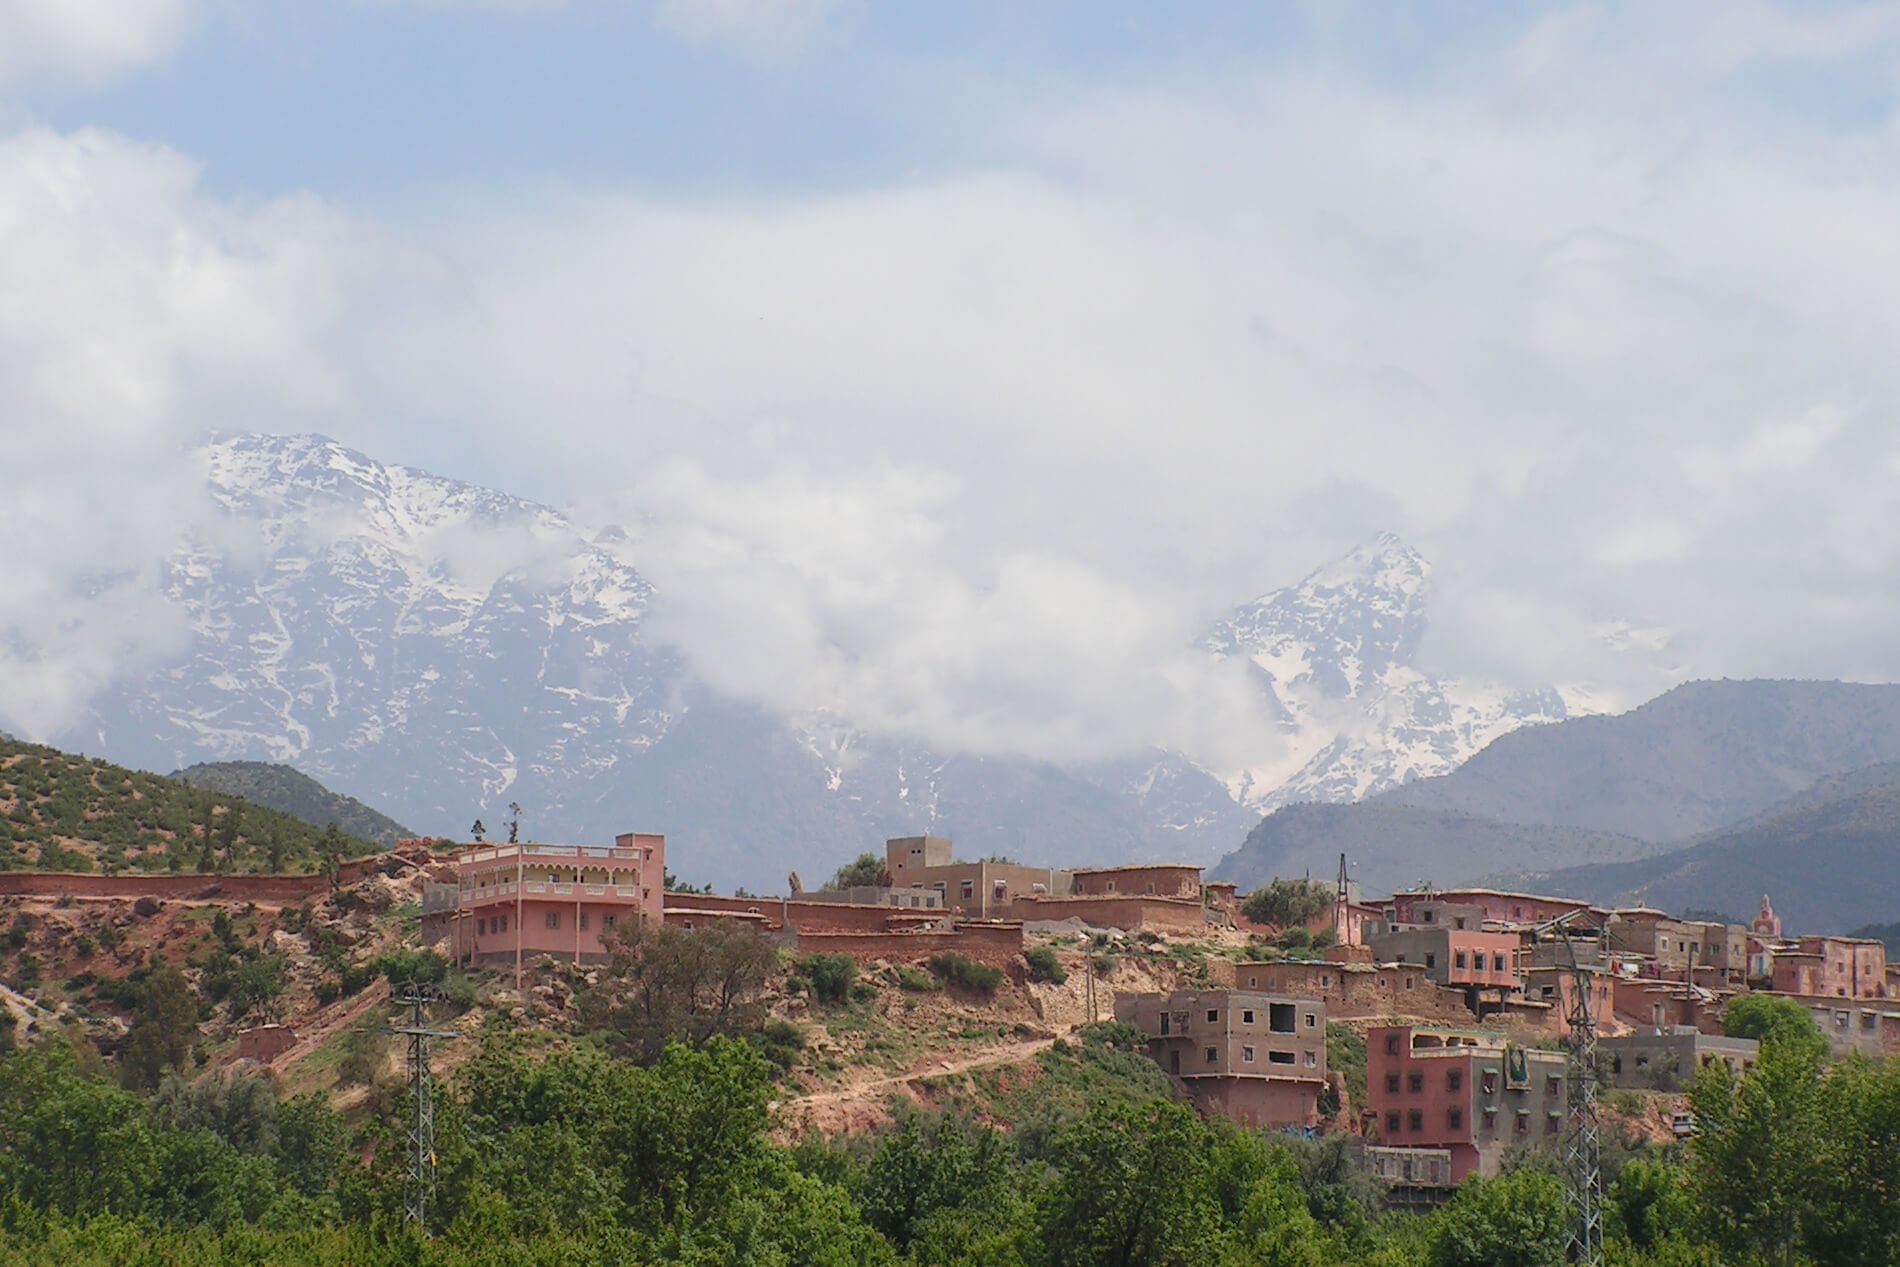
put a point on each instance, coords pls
(831, 976)
(478, 831)
(1761, 1143)
(229, 824)
(162, 1035)
(1515, 1220)
(330, 853)
(1130, 1188)
(240, 1110)
(514, 822)
(921, 1168)
(667, 984)
(257, 984)
(1284, 903)
(860, 872)
(275, 848)
(1773, 1019)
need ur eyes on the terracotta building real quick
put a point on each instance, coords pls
(1840, 967)
(1483, 965)
(1148, 880)
(535, 899)
(982, 889)
(1467, 1091)
(1258, 1059)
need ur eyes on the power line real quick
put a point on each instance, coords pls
(418, 1188)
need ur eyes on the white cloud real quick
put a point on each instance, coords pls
(757, 26)
(1595, 323)
(88, 40)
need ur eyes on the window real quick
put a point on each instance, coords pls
(1489, 1083)
(1253, 982)
(501, 925)
(1392, 1084)
(1429, 914)
(583, 918)
(481, 927)
(1459, 922)
(1415, 1120)
(1213, 1054)
(1392, 1122)
(1497, 963)
(1553, 1085)
(1164, 1022)
(1246, 1054)
(1391, 1044)
(1458, 960)
(1213, 1016)
(1111, 886)
(1869, 1021)
(1312, 1059)
(1325, 980)
(1431, 960)
(1455, 1117)
(1415, 1081)
(1246, 1017)
(1280, 1018)
(1408, 983)
(554, 919)
(1279, 1057)
(967, 889)
(1553, 1122)
(1523, 1122)
(1454, 1079)
(607, 921)
(1311, 1019)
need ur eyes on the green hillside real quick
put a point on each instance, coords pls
(291, 791)
(62, 812)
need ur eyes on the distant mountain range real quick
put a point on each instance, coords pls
(1705, 797)
(441, 649)
(290, 791)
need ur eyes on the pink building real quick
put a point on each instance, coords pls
(1466, 1091)
(534, 899)
(1839, 967)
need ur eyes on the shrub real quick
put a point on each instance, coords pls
(1044, 966)
(831, 976)
(145, 907)
(423, 967)
(1284, 902)
(84, 946)
(328, 991)
(961, 970)
(779, 1042)
(908, 978)
(863, 992)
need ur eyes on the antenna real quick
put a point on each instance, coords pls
(418, 1187)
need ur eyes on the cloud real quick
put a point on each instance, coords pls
(1600, 317)
(87, 40)
(769, 27)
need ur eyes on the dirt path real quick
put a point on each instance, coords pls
(308, 1040)
(858, 1093)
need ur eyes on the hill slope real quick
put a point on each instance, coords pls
(291, 791)
(1828, 867)
(1396, 846)
(1704, 756)
(67, 813)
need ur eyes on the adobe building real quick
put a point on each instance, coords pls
(1146, 880)
(1484, 965)
(532, 899)
(978, 890)
(1840, 967)
(1257, 1059)
(1492, 905)
(1466, 1091)
(1668, 1059)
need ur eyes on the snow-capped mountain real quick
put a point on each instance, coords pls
(1335, 661)
(441, 650)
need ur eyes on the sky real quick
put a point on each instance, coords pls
(1003, 344)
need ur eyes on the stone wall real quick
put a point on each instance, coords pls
(994, 943)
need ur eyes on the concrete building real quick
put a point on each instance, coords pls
(532, 899)
(1495, 906)
(980, 890)
(1667, 1059)
(1863, 1027)
(1258, 1059)
(1466, 1091)
(1668, 945)
(1483, 965)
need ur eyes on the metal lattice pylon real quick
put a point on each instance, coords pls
(1583, 1173)
(418, 1188)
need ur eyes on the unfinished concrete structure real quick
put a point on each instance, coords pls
(1667, 1059)
(1257, 1059)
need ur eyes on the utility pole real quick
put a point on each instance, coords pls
(1583, 1174)
(418, 1187)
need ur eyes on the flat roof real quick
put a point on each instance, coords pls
(1138, 866)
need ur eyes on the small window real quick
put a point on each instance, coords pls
(1111, 886)
(1392, 1084)
(1458, 922)
(1489, 1083)
(1253, 982)
(1429, 914)
(481, 927)
(501, 925)
(1415, 1120)
(1312, 1059)
(1280, 1017)
(1431, 960)
(967, 888)
(1279, 1057)
(1454, 1079)
(1455, 1117)
(1164, 1023)
(1869, 1022)
(607, 921)
(1415, 1081)
(1213, 1054)
(1392, 1122)
(1391, 1044)
(554, 919)
(1312, 1018)
(1497, 963)
(1552, 1123)
(1553, 1085)
(1523, 1122)
(1246, 1017)
(1325, 980)
(583, 921)
(1246, 1054)
(1213, 1016)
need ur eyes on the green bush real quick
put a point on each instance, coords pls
(1044, 966)
(1287, 902)
(908, 978)
(960, 970)
(831, 976)
(423, 967)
